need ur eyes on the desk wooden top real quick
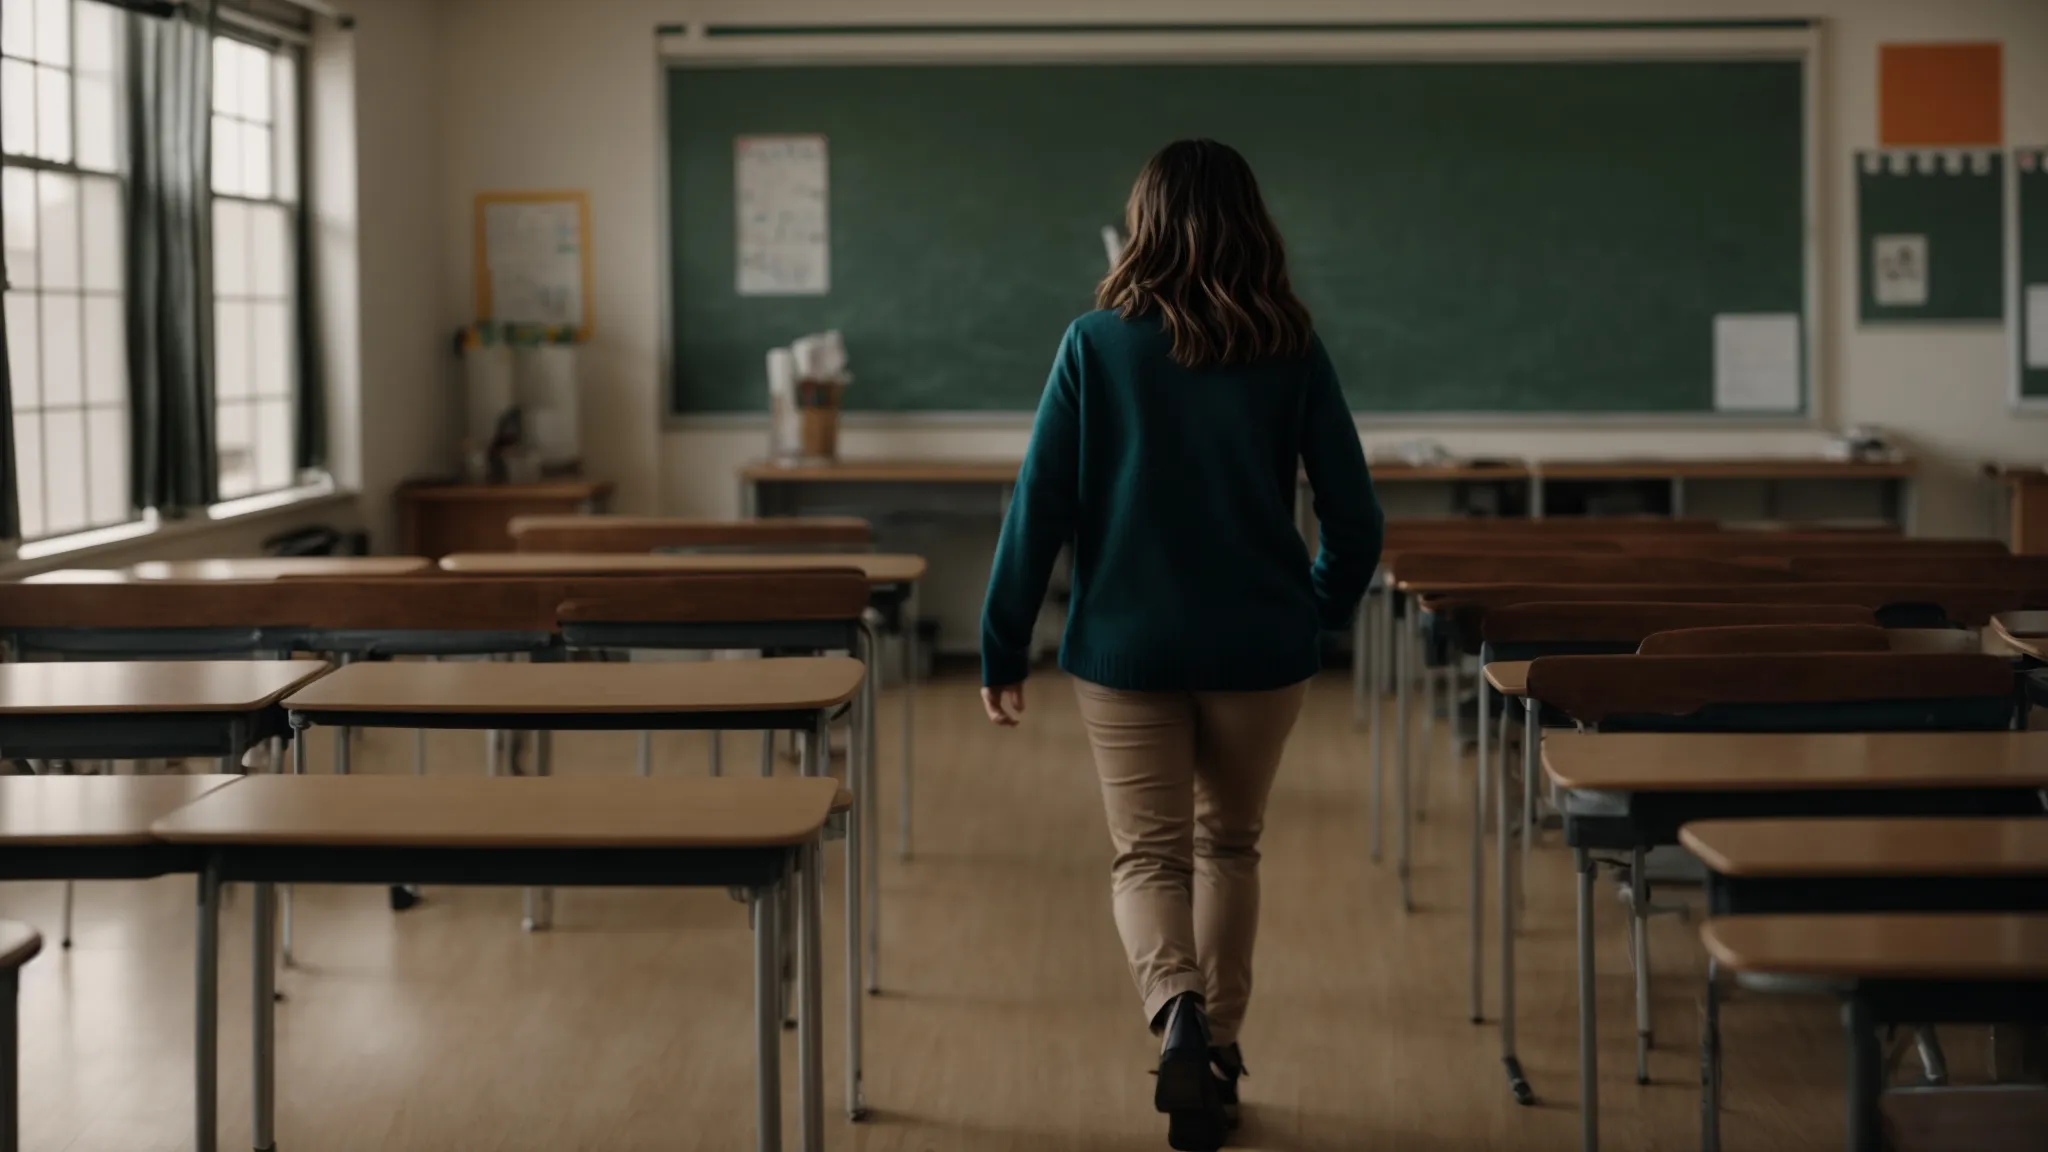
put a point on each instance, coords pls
(19, 943)
(115, 686)
(1509, 677)
(2023, 631)
(586, 490)
(1793, 762)
(1897, 946)
(1397, 472)
(93, 811)
(885, 471)
(879, 567)
(243, 568)
(779, 685)
(1871, 847)
(508, 812)
(1753, 468)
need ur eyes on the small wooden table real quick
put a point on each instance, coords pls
(1892, 968)
(798, 695)
(747, 834)
(1802, 867)
(436, 519)
(145, 709)
(1632, 792)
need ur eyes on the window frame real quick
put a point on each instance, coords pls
(289, 388)
(84, 405)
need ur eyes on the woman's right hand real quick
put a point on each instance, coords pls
(1004, 704)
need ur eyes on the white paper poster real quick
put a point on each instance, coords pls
(533, 252)
(2037, 326)
(1899, 266)
(1756, 362)
(782, 231)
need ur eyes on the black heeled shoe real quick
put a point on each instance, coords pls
(1228, 1067)
(1187, 1089)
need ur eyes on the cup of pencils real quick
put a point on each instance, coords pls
(821, 380)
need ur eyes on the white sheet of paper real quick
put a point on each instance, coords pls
(534, 257)
(1899, 265)
(779, 185)
(1756, 362)
(1112, 243)
(2037, 326)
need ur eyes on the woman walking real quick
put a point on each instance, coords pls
(1166, 453)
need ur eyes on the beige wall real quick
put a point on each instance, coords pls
(563, 94)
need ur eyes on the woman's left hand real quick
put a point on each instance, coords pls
(1004, 704)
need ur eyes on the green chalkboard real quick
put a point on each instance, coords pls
(1930, 230)
(1471, 236)
(2032, 180)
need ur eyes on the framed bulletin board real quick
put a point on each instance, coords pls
(533, 261)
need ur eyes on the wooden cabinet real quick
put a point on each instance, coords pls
(435, 519)
(2026, 488)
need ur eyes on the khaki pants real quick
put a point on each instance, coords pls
(1184, 782)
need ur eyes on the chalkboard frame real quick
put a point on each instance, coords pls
(1362, 42)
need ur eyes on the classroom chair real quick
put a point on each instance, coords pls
(1765, 639)
(1832, 692)
(19, 944)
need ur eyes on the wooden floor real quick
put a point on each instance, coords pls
(1008, 1022)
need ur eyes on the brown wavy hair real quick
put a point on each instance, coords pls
(1204, 254)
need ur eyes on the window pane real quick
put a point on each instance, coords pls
(285, 142)
(108, 429)
(232, 440)
(231, 341)
(227, 78)
(227, 156)
(53, 115)
(18, 204)
(18, 27)
(256, 161)
(273, 444)
(28, 471)
(271, 369)
(53, 32)
(63, 372)
(270, 261)
(106, 351)
(24, 337)
(102, 223)
(64, 471)
(57, 208)
(99, 39)
(99, 130)
(17, 108)
(255, 83)
(230, 248)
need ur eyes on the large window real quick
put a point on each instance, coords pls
(60, 68)
(255, 218)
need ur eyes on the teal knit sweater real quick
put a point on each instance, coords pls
(1175, 487)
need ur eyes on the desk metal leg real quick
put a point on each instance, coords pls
(1425, 757)
(856, 1100)
(285, 914)
(767, 1020)
(646, 754)
(1361, 646)
(910, 678)
(70, 894)
(540, 902)
(1402, 674)
(1504, 879)
(1866, 1076)
(867, 807)
(1532, 771)
(206, 1015)
(1589, 1046)
(1476, 913)
(10, 1060)
(810, 1049)
(1381, 659)
(263, 1019)
(1710, 1062)
(1639, 950)
(717, 752)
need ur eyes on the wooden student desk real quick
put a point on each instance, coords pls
(750, 834)
(1633, 791)
(798, 695)
(142, 710)
(1900, 968)
(1803, 867)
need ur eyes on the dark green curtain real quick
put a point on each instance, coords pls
(10, 506)
(170, 259)
(309, 432)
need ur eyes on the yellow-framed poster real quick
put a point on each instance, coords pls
(533, 259)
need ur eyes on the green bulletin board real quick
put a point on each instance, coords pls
(2031, 339)
(1930, 229)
